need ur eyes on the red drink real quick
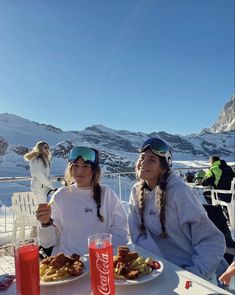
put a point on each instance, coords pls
(27, 269)
(101, 264)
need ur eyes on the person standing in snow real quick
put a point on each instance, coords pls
(166, 218)
(39, 162)
(81, 208)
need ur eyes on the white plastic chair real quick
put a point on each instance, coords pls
(24, 205)
(230, 206)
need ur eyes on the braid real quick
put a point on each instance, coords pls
(161, 202)
(97, 198)
(142, 206)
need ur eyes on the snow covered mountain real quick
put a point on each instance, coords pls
(226, 121)
(118, 148)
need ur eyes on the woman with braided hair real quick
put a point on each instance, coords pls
(166, 217)
(83, 207)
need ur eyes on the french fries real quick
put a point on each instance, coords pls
(48, 273)
(60, 267)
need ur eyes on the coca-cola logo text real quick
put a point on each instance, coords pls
(102, 264)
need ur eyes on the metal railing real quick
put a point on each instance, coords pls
(120, 182)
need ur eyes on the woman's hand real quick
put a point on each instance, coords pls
(43, 213)
(226, 277)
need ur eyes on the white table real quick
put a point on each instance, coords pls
(171, 281)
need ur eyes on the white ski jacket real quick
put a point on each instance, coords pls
(40, 183)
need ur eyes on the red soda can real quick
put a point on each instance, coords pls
(101, 264)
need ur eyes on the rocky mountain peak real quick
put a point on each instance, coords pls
(226, 121)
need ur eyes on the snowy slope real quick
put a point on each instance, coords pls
(118, 148)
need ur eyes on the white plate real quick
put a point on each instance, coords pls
(85, 271)
(142, 278)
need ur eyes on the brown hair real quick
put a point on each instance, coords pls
(37, 152)
(95, 184)
(213, 159)
(160, 197)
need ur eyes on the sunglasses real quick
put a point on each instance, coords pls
(158, 147)
(87, 154)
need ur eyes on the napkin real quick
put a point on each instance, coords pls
(6, 280)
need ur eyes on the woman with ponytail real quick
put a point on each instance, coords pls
(166, 217)
(83, 207)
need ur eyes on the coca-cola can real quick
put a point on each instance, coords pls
(101, 264)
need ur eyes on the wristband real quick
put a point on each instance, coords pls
(49, 223)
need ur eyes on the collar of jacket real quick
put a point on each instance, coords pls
(216, 164)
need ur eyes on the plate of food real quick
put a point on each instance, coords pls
(62, 269)
(131, 268)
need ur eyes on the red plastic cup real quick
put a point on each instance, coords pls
(27, 268)
(101, 264)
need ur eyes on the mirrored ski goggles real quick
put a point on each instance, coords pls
(157, 146)
(87, 154)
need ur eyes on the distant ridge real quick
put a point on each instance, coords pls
(118, 148)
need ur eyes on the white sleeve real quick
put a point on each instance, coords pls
(49, 236)
(37, 170)
(119, 225)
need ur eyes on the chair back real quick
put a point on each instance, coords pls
(215, 198)
(233, 184)
(216, 194)
(24, 205)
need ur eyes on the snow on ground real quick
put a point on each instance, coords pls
(6, 222)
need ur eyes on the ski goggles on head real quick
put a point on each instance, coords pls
(158, 147)
(87, 154)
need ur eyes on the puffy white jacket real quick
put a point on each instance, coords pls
(40, 183)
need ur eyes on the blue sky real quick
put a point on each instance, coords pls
(139, 65)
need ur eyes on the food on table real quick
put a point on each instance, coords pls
(130, 265)
(60, 266)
